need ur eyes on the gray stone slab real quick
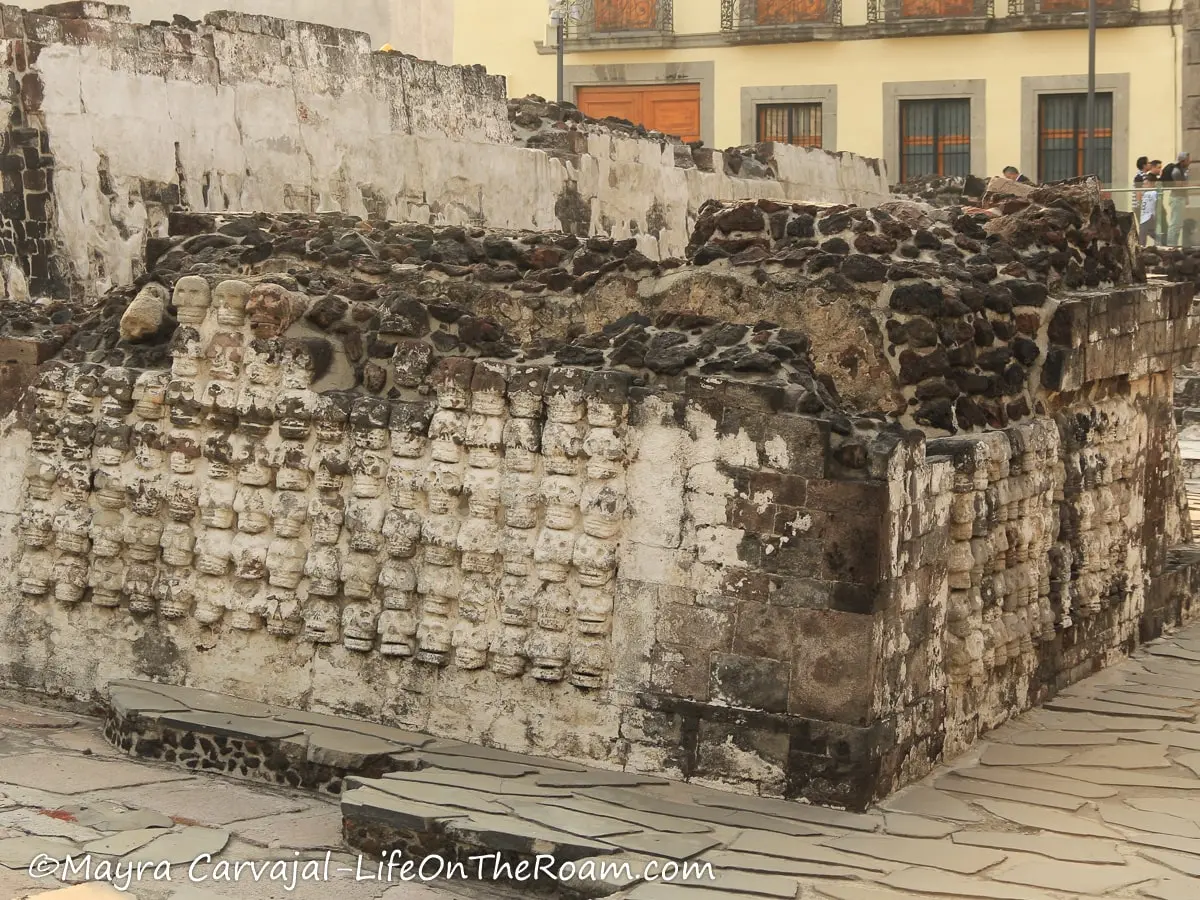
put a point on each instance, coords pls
(17, 853)
(365, 804)
(346, 750)
(665, 846)
(1184, 863)
(1062, 738)
(208, 802)
(1156, 841)
(242, 727)
(807, 850)
(299, 831)
(1012, 776)
(525, 786)
(1184, 807)
(927, 801)
(107, 816)
(646, 801)
(654, 821)
(1171, 737)
(933, 881)
(1122, 777)
(1142, 699)
(837, 891)
(126, 699)
(1055, 846)
(1161, 689)
(662, 891)
(200, 701)
(1171, 652)
(600, 876)
(1014, 755)
(741, 881)
(1078, 878)
(35, 822)
(776, 865)
(123, 842)
(974, 788)
(508, 833)
(789, 809)
(478, 765)
(597, 778)
(180, 847)
(79, 775)
(571, 821)
(1061, 721)
(434, 794)
(917, 826)
(1070, 704)
(1190, 761)
(1142, 820)
(1043, 819)
(943, 855)
(1122, 756)
(342, 723)
(458, 748)
(1170, 889)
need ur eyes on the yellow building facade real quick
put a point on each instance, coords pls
(949, 86)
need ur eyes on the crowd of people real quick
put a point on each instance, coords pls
(1158, 200)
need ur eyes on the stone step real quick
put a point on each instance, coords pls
(204, 731)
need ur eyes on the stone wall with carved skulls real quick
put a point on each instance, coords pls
(683, 569)
(1025, 559)
(481, 512)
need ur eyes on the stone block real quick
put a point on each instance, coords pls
(830, 667)
(763, 630)
(849, 498)
(801, 557)
(1069, 324)
(860, 599)
(851, 549)
(807, 593)
(778, 488)
(734, 752)
(680, 671)
(806, 441)
(756, 516)
(686, 625)
(750, 683)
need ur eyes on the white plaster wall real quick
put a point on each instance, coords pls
(424, 28)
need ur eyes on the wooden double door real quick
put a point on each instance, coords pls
(669, 108)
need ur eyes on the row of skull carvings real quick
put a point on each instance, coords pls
(438, 492)
(1029, 544)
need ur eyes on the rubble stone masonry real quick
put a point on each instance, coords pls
(800, 515)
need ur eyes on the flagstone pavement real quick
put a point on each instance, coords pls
(1095, 795)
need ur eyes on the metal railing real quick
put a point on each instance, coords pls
(1174, 215)
(924, 10)
(759, 16)
(1069, 7)
(611, 18)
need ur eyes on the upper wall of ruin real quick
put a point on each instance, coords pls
(111, 125)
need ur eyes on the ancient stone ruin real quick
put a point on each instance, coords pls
(575, 456)
(799, 515)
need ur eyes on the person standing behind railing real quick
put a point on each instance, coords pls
(1148, 211)
(1174, 180)
(1143, 166)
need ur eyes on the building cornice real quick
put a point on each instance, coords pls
(874, 31)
